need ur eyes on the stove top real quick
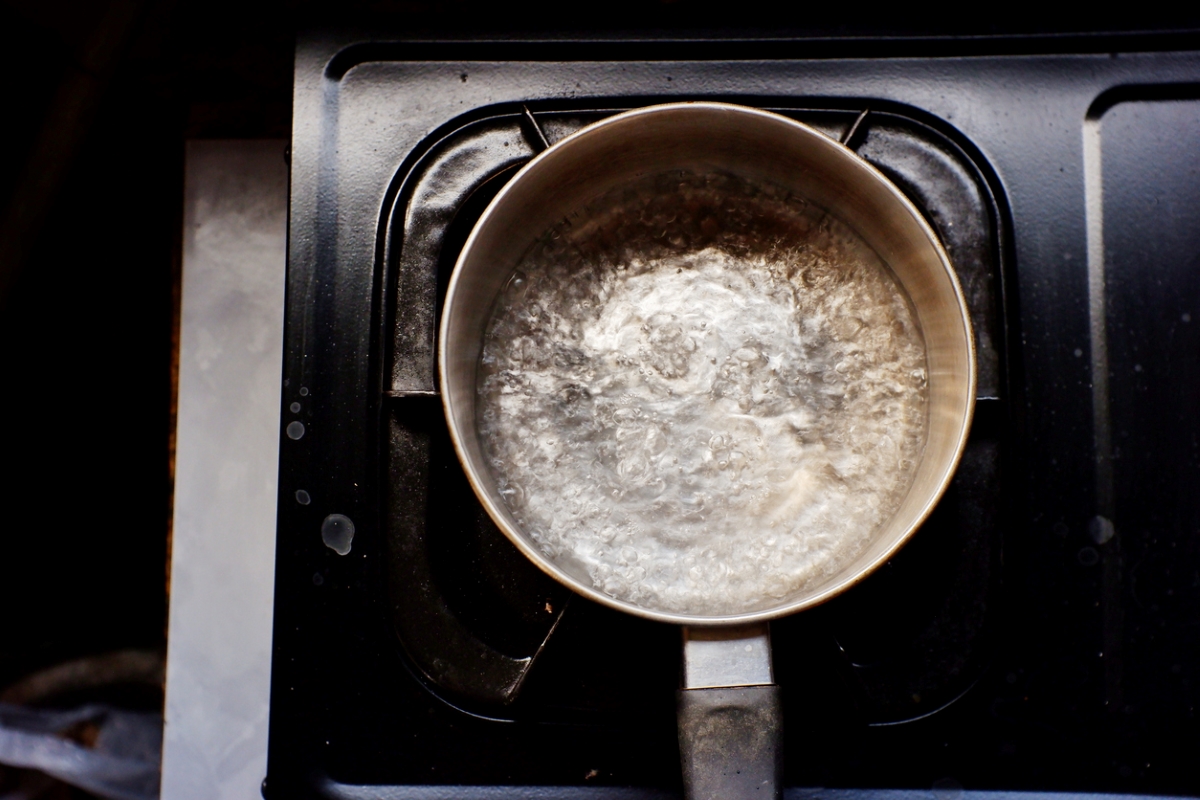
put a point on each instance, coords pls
(1038, 633)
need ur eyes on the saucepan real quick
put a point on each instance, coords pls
(768, 388)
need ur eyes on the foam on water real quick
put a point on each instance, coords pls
(707, 396)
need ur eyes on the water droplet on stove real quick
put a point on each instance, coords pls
(295, 429)
(1078, 352)
(1088, 557)
(302, 497)
(304, 391)
(294, 408)
(318, 579)
(337, 532)
(1100, 529)
(1186, 317)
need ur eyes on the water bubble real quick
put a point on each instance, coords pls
(318, 578)
(304, 391)
(295, 429)
(302, 497)
(294, 408)
(337, 532)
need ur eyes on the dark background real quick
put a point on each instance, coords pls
(99, 99)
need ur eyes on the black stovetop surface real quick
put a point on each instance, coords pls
(1041, 630)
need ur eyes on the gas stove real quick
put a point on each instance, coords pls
(1041, 631)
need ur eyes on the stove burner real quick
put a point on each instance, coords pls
(486, 631)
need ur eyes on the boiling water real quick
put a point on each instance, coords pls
(708, 396)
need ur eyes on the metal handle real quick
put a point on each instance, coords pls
(729, 714)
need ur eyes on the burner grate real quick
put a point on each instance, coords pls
(487, 633)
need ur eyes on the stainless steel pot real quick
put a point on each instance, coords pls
(729, 706)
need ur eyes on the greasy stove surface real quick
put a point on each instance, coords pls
(1040, 632)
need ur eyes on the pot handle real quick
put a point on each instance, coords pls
(730, 717)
